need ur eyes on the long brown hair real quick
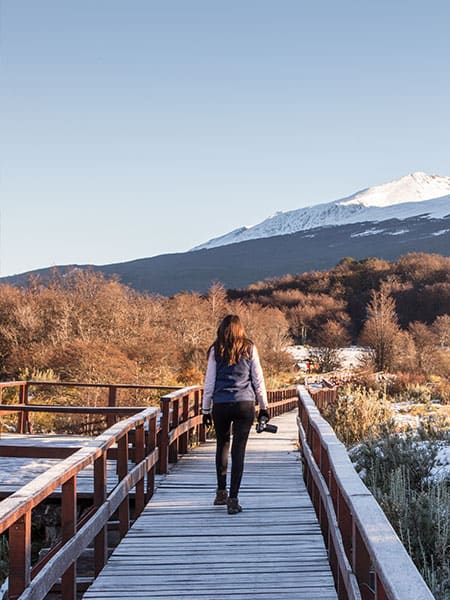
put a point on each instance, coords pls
(231, 343)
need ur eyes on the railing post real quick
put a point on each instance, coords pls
(122, 470)
(184, 438)
(23, 419)
(380, 593)
(101, 539)
(163, 441)
(151, 445)
(112, 402)
(361, 564)
(201, 429)
(68, 530)
(344, 518)
(139, 455)
(173, 447)
(19, 556)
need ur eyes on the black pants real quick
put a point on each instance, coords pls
(241, 415)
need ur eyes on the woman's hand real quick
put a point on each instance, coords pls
(263, 414)
(207, 419)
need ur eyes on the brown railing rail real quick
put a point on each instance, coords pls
(23, 390)
(150, 439)
(323, 394)
(367, 558)
(281, 401)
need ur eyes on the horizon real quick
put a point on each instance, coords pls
(128, 134)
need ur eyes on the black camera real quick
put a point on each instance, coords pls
(263, 425)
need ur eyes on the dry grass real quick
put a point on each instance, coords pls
(360, 413)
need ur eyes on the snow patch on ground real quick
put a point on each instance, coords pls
(441, 468)
(350, 357)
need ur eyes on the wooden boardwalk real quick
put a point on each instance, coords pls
(17, 470)
(184, 547)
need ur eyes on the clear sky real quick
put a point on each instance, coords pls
(130, 128)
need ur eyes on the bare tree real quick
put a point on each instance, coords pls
(381, 330)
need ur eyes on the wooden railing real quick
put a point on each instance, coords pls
(180, 415)
(15, 511)
(281, 401)
(367, 558)
(23, 392)
(142, 438)
(150, 439)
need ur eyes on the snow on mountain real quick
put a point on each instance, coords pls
(417, 194)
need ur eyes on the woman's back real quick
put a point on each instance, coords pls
(233, 382)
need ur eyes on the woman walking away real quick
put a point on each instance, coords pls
(233, 381)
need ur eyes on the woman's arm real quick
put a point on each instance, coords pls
(258, 383)
(210, 382)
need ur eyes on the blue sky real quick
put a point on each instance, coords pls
(130, 128)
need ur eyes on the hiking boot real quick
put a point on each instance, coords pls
(233, 506)
(221, 498)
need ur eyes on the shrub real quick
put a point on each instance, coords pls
(399, 469)
(359, 414)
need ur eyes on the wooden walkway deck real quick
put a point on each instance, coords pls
(184, 547)
(17, 470)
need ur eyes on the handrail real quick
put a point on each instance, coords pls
(23, 425)
(361, 542)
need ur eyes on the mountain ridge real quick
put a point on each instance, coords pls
(239, 265)
(409, 196)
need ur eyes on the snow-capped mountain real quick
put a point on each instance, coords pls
(417, 194)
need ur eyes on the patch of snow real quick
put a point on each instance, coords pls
(415, 187)
(441, 232)
(367, 232)
(399, 232)
(350, 357)
(441, 468)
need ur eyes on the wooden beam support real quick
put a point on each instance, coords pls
(122, 470)
(68, 530)
(101, 539)
(20, 556)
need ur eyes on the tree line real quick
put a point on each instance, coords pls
(401, 309)
(83, 327)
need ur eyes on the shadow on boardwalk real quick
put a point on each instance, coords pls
(184, 547)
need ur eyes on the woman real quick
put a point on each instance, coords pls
(233, 381)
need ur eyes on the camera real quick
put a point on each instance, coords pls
(262, 425)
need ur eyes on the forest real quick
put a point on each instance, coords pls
(82, 326)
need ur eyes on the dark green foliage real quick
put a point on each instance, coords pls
(398, 471)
